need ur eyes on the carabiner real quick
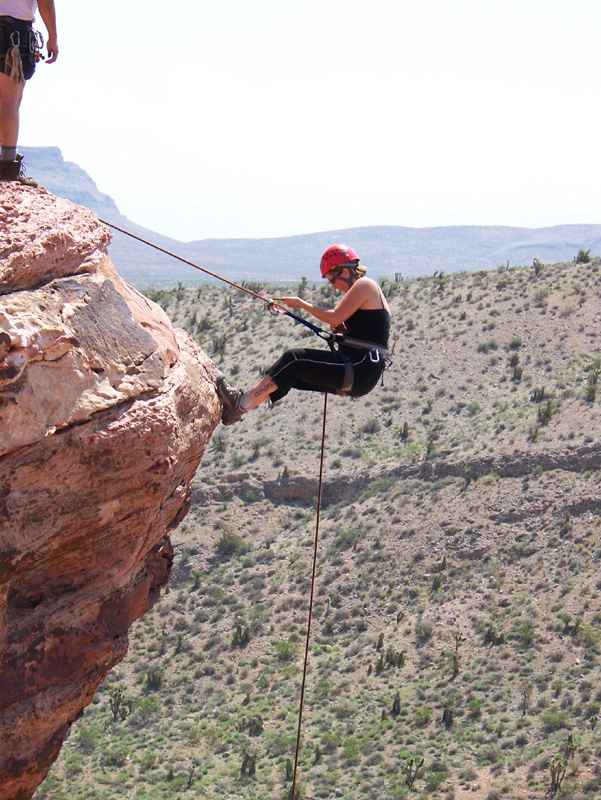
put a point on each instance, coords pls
(275, 308)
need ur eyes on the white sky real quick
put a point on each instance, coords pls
(251, 118)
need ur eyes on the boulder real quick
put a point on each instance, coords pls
(105, 412)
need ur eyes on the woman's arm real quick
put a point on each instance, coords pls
(359, 293)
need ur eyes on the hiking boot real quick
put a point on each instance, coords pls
(15, 171)
(230, 398)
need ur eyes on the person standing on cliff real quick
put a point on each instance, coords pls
(19, 52)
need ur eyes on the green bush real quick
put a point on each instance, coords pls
(346, 538)
(231, 544)
(424, 629)
(285, 649)
(554, 719)
(422, 716)
(371, 426)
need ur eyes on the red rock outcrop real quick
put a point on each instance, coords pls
(105, 412)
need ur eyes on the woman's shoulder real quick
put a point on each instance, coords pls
(367, 284)
(372, 294)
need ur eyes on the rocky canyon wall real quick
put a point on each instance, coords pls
(105, 412)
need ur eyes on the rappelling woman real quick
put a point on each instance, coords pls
(361, 321)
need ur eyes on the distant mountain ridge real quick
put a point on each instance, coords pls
(386, 249)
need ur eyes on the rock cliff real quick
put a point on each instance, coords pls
(105, 412)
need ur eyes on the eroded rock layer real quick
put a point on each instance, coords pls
(105, 412)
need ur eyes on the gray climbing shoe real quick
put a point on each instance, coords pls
(230, 398)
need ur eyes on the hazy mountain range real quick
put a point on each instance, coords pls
(387, 249)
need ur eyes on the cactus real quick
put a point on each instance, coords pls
(448, 712)
(558, 768)
(396, 705)
(249, 764)
(412, 769)
(119, 705)
(241, 637)
(545, 413)
(455, 660)
(492, 636)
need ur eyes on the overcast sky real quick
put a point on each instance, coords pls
(252, 118)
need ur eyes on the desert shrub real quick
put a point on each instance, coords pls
(285, 649)
(489, 753)
(487, 347)
(346, 538)
(371, 426)
(474, 707)
(553, 720)
(424, 629)
(115, 757)
(231, 543)
(422, 716)
(88, 739)
(583, 257)
(525, 634)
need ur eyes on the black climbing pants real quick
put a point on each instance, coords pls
(324, 371)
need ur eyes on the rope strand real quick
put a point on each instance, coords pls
(278, 308)
(191, 264)
(311, 596)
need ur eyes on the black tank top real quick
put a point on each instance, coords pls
(369, 325)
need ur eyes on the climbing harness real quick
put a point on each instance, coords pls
(13, 64)
(335, 340)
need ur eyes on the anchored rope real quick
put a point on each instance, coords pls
(189, 263)
(311, 596)
(273, 306)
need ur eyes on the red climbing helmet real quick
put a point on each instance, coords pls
(336, 255)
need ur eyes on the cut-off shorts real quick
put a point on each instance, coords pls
(324, 371)
(22, 27)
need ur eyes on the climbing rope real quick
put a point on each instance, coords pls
(272, 305)
(311, 597)
(276, 308)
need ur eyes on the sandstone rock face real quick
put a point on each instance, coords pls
(105, 412)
